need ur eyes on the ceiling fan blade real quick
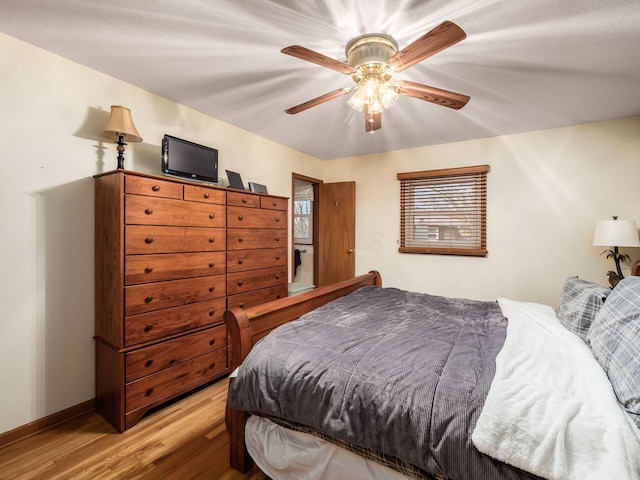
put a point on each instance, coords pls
(433, 94)
(319, 59)
(443, 36)
(318, 100)
(373, 121)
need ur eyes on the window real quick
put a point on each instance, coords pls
(303, 222)
(444, 211)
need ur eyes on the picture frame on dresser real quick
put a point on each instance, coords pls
(257, 187)
(235, 180)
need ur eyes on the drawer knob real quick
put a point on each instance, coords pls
(274, 204)
(278, 277)
(277, 257)
(240, 217)
(148, 328)
(241, 305)
(211, 265)
(149, 211)
(172, 362)
(211, 312)
(149, 392)
(211, 239)
(156, 188)
(149, 299)
(212, 341)
(206, 195)
(240, 261)
(277, 219)
(212, 216)
(278, 295)
(240, 239)
(148, 240)
(240, 283)
(244, 199)
(148, 363)
(149, 269)
(212, 288)
(277, 239)
(212, 365)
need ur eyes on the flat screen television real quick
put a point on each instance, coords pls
(185, 159)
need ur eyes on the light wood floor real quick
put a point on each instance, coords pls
(185, 440)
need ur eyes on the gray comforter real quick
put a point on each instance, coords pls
(401, 373)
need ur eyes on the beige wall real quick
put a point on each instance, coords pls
(546, 190)
(52, 111)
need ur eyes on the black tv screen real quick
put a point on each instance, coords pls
(185, 159)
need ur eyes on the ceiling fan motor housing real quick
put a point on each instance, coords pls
(370, 52)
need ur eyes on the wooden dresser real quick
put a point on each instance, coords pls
(162, 283)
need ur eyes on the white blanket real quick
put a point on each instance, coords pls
(551, 409)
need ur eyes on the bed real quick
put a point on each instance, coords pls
(372, 382)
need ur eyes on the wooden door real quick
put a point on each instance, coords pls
(336, 236)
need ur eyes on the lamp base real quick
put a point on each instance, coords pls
(120, 149)
(613, 278)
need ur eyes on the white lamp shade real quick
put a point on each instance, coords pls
(616, 233)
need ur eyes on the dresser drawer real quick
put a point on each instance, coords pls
(246, 238)
(246, 300)
(274, 203)
(163, 355)
(140, 239)
(240, 260)
(140, 210)
(172, 266)
(241, 282)
(243, 199)
(179, 378)
(195, 193)
(244, 217)
(152, 187)
(146, 327)
(148, 297)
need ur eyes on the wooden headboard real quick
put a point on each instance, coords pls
(635, 268)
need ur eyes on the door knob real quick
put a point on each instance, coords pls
(350, 250)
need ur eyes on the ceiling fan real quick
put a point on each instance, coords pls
(372, 60)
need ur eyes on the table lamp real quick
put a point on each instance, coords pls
(616, 233)
(119, 128)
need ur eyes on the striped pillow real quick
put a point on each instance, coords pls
(580, 301)
(615, 340)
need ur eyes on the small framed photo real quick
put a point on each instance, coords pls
(257, 187)
(235, 180)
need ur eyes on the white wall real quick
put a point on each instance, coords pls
(546, 190)
(52, 112)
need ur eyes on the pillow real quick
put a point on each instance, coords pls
(580, 301)
(615, 341)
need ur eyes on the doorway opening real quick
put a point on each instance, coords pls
(304, 233)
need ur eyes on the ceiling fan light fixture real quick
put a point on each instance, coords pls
(374, 92)
(388, 95)
(358, 99)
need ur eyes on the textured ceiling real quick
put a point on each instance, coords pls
(527, 65)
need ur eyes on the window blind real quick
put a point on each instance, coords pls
(444, 211)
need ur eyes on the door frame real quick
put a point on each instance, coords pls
(314, 182)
